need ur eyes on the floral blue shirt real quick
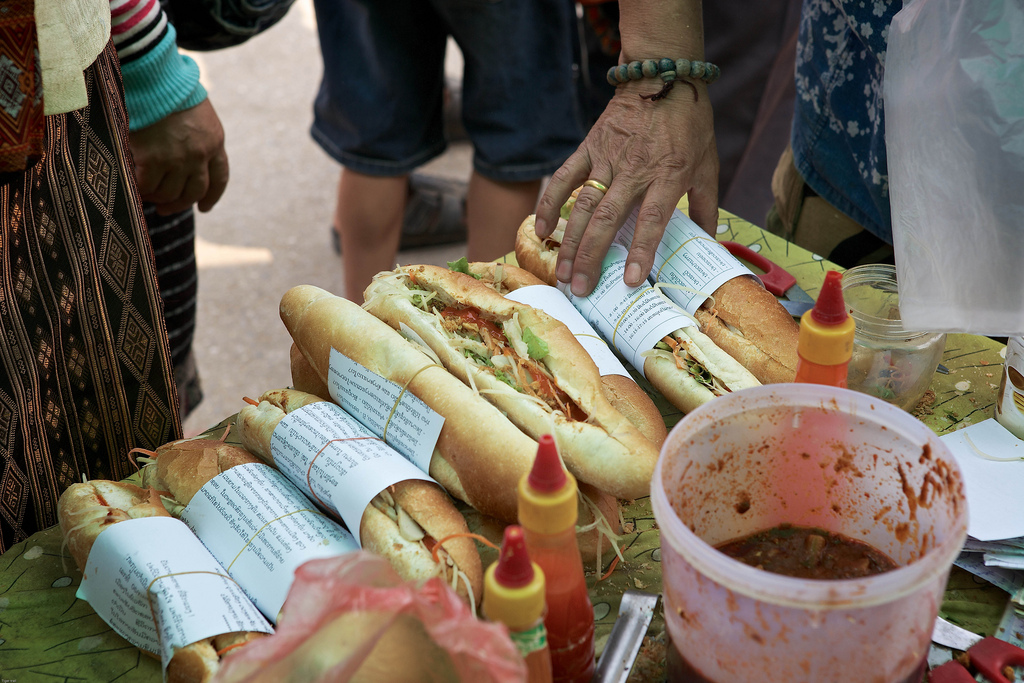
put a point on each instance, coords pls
(838, 124)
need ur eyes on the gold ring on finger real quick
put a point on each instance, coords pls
(601, 187)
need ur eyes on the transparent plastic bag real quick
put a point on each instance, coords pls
(954, 117)
(351, 618)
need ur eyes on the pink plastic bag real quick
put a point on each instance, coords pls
(351, 618)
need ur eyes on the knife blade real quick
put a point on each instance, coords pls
(949, 634)
(635, 613)
(796, 308)
(776, 279)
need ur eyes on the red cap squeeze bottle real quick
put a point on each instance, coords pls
(514, 595)
(547, 512)
(826, 336)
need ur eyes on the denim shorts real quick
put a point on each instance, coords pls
(379, 108)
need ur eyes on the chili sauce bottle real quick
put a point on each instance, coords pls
(826, 337)
(548, 513)
(514, 596)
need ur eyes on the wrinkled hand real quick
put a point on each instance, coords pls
(180, 160)
(648, 154)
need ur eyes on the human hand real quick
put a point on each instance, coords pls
(180, 160)
(647, 153)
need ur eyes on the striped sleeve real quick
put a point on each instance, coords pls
(136, 27)
(158, 80)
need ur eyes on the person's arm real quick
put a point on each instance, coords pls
(176, 138)
(648, 153)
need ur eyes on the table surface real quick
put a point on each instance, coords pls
(47, 634)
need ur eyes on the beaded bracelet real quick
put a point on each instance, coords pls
(668, 70)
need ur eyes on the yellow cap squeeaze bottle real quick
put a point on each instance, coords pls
(548, 512)
(826, 337)
(514, 595)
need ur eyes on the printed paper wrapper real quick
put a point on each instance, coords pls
(159, 587)
(336, 461)
(260, 527)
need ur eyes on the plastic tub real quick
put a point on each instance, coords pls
(809, 455)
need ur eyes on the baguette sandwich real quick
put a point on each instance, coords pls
(742, 317)
(529, 365)
(690, 370)
(480, 455)
(403, 523)
(87, 509)
(623, 393)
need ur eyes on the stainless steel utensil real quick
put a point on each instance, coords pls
(949, 634)
(635, 613)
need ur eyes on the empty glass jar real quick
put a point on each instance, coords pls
(888, 361)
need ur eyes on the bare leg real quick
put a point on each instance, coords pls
(494, 212)
(369, 217)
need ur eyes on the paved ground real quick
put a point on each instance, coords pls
(269, 231)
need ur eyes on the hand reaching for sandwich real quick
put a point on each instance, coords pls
(180, 160)
(644, 153)
(648, 154)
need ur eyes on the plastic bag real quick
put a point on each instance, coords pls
(954, 117)
(351, 618)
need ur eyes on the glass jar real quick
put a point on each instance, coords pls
(888, 361)
(1010, 404)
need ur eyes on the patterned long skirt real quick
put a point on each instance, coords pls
(85, 370)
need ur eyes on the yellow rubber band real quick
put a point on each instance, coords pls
(258, 531)
(149, 597)
(592, 336)
(309, 484)
(398, 400)
(632, 303)
(679, 248)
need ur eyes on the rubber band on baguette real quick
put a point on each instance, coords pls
(402, 523)
(526, 363)
(745, 320)
(87, 509)
(480, 455)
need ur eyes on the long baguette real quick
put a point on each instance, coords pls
(402, 523)
(480, 455)
(481, 468)
(557, 390)
(87, 509)
(623, 393)
(745, 320)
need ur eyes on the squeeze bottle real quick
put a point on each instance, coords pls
(514, 596)
(547, 513)
(826, 337)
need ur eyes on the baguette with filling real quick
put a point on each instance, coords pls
(402, 523)
(744, 320)
(529, 365)
(87, 509)
(623, 393)
(480, 455)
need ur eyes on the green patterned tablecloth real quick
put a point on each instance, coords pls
(47, 634)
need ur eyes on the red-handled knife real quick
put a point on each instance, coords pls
(990, 657)
(776, 279)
